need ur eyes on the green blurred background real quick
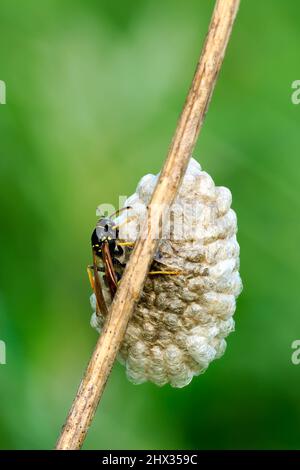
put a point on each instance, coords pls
(94, 90)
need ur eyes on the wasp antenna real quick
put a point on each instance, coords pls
(129, 219)
(120, 210)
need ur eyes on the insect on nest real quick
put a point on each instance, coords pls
(185, 311)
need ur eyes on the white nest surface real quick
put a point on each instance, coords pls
(181, 321)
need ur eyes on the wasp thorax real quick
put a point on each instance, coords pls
(181, 321)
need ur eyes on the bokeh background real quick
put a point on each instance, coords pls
(94, 90)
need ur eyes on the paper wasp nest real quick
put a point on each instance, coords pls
(181, 321)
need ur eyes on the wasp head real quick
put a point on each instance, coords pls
(105, 231)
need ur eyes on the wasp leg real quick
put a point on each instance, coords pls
(91, 276)
(175, 273)
(90, 271)
(91, 268)
(125, 243)
(96, 287)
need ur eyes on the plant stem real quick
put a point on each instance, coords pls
(189, 125)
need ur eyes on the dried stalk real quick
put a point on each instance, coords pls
(189, 125)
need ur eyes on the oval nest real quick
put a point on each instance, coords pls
(180, 324)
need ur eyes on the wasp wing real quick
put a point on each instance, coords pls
(110, 273)
(100, 301)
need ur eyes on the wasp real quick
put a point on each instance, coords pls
(110, 255)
